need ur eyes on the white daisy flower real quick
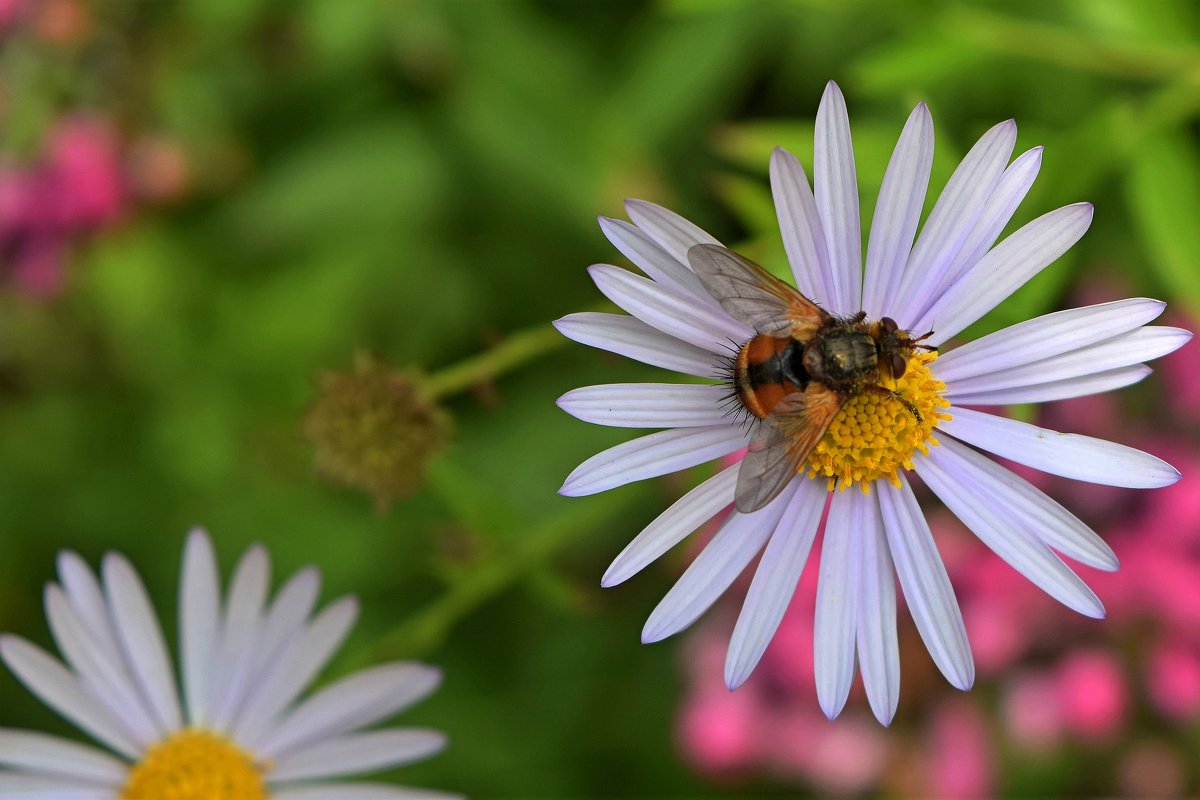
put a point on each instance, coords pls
(240, 731)
(699, 308)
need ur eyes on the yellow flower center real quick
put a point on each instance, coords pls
(874, 435)
(195, 765)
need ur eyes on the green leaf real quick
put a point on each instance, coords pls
(1163, 193)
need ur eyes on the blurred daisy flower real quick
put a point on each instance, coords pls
(240, 731)
(694, 316)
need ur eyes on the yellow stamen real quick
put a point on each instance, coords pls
(195, 765)
(874, 435)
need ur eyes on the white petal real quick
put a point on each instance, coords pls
(85, 636)
(1041, 516)
(657, 263)
(836, 194)
(774, 581)
(285, 619)
(60, 690)
(141, 638)
(102, 674)
(1003, 530)
(199, 614)
(672, 232)
(652, 455)
(897, 212)
(296, 666)
(1004, 270)
(30, 751)
(997, 211)
(632, 338)
(799, 223)
(1045, 336)
(951, 221)
(837, 595)
(878, 647)
(357, 753)
(649, 405)
(87, 599)
(670, 527)
(722, 560)
(670, 310)
(14, 786)
(800, 227)
(358, 791)
(1067, 454)
(1125, 350)
(357, 701)
(925, 583)
(1054, 390)
(240, 635)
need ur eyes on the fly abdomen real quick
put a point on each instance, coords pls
(767, 369)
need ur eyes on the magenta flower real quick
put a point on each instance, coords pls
(75, 191)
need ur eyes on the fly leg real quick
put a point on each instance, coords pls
(886, 392)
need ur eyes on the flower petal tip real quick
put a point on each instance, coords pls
(1170, 478)
(651, 636)
(963, 682)
(884, 715)
(634, 203)
(831, 712)
(613, 576)
(734, 678)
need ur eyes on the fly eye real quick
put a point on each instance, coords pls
(899, 365)
(889, 324)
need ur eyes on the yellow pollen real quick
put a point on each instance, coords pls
(874, 435)
(195, 764)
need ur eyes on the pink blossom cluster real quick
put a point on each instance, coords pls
(75, 189)
(1048, 681)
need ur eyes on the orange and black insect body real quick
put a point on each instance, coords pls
(799, 369)
(845, 355)
(767, 369)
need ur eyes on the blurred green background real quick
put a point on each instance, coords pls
(313, 181)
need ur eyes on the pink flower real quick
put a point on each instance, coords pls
(717, 730)
(1093, 694)
(1033, 712)
(958, 752)
(843, 756)
(11, 12)
(1181, 374)
(1173, 680)
(76, 190)
(86, 171)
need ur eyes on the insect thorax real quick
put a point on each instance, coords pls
(842, 357)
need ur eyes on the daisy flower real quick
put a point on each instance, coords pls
(240, 730)
(923, 420)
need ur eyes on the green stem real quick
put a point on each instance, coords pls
(514, 351)
(425, 631)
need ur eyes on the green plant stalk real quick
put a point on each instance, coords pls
(517, 349)
(425, 631)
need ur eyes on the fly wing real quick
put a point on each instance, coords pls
(783, 442)
(753, 295)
